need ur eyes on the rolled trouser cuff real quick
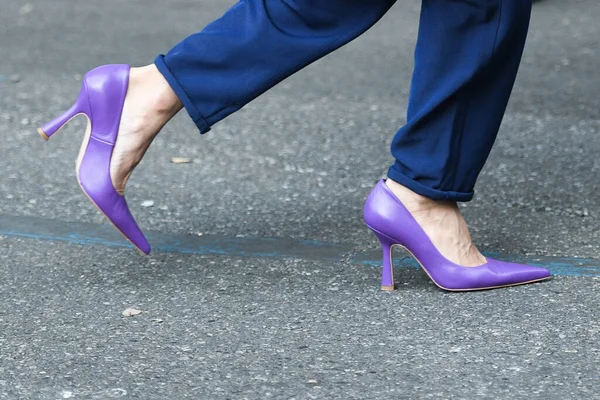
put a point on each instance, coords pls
(194, 113)
(434, 194)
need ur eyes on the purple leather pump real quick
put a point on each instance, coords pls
(101, 100)
(393, 225)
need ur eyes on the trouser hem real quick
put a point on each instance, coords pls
(426, 191)
(193, 112)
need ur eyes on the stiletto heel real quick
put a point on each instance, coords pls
(101, 100)
(80, 107)
(387, 273)
(393, 224)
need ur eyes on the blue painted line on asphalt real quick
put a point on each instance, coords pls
(106, 235)
(276, 248)
(558, 266)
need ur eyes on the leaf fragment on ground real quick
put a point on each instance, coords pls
(181, 160)
(130, 312)
(26, 9)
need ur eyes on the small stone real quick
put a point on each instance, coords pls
(15, 78)
(147, 203)
(313, 381)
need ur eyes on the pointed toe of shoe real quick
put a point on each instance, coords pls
(144, 248)
(531, 273)
(117, 212)
(94, 177)
(515, 274)
(494, 274)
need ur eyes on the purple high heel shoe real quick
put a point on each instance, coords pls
(101, 100)
(393, 225)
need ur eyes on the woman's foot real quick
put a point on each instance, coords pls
(443, 223)
(149, 104)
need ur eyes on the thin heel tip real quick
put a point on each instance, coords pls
(388, 288)
(43, 134)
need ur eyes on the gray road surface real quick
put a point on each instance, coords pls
(292, 169)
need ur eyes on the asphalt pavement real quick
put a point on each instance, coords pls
(264, 281)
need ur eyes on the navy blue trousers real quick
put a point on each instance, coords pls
(466, 61)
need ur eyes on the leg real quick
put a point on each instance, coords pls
(466, 61)
(213, 73)
(255, 45)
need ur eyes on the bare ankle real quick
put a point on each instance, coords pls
(411, 200)
(159, 94)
